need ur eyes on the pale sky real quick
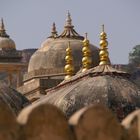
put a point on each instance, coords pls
(28, 22)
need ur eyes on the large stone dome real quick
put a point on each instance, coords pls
(6, 43)
(51, 55)
(102, 84)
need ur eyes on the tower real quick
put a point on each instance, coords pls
(10, 58)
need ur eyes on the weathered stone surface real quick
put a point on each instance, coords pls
(15, 100)
(8, 125)
(102, 84)
(54, 51)
(96, 123)
(132, 124)
(35, 88)
(44, 122)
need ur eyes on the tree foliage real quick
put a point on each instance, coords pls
(134, 56)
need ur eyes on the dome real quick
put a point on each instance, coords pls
(52, 53)
(12, 98)
(99, 85)
(102, 84)
(6, 43)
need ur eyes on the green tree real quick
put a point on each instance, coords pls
(134, 56)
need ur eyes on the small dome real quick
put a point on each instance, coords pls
(6, 43)
(14, 99)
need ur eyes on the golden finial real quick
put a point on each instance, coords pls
(104, 55)
(86, 60)
(69, 69)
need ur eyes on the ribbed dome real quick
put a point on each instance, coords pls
(102, 84)
(12, 98)
(52, 53)
(6, 43)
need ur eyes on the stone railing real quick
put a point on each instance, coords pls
(9, 53)
(40, 72)
(46, 122)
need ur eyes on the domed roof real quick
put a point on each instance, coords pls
(51, 55)
(12, 98)
(102, 84)
(6, 43)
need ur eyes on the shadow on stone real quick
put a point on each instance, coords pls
(8, 125)
(132, 125)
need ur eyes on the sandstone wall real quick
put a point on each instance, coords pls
(46, 122)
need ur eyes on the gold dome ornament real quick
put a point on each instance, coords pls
(69, 69)
(104, 55)
(86, 60)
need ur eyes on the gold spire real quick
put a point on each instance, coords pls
(86, 60)
(2, 29)
(69, 69)
(53, 32)
(104, 55)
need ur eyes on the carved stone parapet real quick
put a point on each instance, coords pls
(40, 72)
